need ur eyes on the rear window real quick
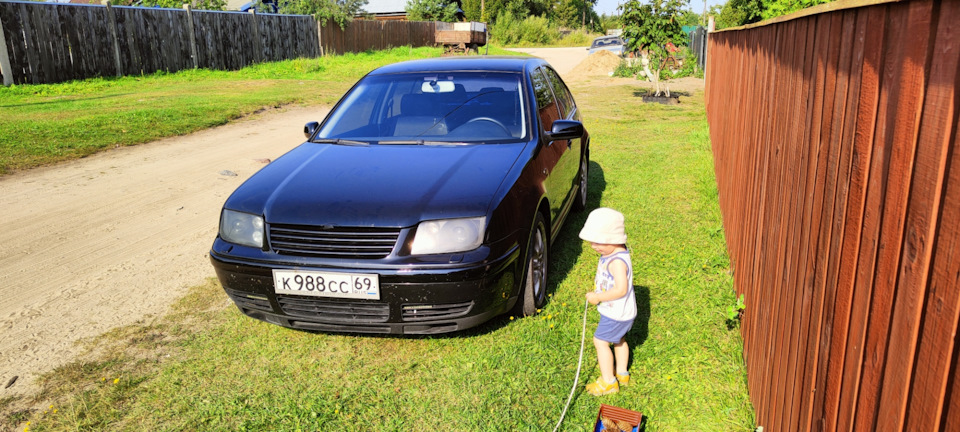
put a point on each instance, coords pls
(441, 107)
(602, 42)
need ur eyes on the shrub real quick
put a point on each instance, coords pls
(532, 30)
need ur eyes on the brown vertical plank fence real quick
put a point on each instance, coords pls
(835, 136)
(48, 42)
(363, 35)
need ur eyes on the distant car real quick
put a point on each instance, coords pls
(614, 44)
(424, 203)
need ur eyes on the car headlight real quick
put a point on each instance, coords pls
(449, 235)
(241, 228)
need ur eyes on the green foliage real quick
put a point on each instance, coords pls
(532, 30)
(577, 38)
(650, 26)
(775, 8)
(338, 11)
(576, 14)
(689, 18)
(471, 10)
(178, 4)
(742, 12)
(431, 10)
(608, 22)
(734, 311)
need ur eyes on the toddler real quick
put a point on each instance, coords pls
(613, 295)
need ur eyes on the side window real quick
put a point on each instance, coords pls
(562, 92)
(546, 105)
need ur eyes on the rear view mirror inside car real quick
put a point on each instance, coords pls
(437, 87)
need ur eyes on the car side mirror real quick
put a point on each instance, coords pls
(310, 128)
(565, 130)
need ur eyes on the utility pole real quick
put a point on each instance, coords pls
(703, 18)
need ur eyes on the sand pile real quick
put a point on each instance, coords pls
(598, 63)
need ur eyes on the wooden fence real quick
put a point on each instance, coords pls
(835, 140)
(363, 35)
(48, 42)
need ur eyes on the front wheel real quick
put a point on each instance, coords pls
(581, 202)
(535, 277)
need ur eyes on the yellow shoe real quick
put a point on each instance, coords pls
(624, 379)
(601, 387)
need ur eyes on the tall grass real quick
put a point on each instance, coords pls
(207, 367)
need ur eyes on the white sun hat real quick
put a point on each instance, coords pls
(604, 225)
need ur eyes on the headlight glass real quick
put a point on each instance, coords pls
(241, 228)
(448, 235)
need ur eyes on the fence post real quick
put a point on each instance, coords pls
(5, 68)
(257, 45)
(319, 36)
(193, 37)
(113, 34)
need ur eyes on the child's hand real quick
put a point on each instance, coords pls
(592, 298)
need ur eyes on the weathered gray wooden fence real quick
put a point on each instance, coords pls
(48, 42)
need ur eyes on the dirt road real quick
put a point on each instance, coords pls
(116, 237)
(562, 59)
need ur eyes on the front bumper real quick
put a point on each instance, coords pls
(414, 299)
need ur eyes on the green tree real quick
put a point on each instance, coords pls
(178, 4)
(338, 11)
(471, 10)
(689, 18)
(567, 13)
(742, 12)
(431, 10)
(649, 27)
(775, 8)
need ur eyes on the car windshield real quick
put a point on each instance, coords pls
(430, 108)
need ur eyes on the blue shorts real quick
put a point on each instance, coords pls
(611, 330)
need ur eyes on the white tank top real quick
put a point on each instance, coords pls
(623, 308)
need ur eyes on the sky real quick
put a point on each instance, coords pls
(609, 7)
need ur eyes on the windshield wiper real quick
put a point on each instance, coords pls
(422, 142)
(339, 141)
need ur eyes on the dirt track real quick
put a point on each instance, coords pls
(114, 238)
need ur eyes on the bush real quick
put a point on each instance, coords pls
(627, 70)
(578, 38)
(509, 30)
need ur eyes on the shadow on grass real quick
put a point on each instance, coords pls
(65, 101)
(649, 92)
(638, 334)
(568, 246)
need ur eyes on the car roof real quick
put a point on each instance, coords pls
(462, 63)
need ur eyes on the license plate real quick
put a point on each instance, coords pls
(327, 284)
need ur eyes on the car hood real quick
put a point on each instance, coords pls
(376, 185)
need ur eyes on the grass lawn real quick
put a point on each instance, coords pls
(206, 367)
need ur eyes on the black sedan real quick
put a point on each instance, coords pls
(424, 203)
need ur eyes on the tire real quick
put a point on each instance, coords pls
(580, 204)
(535, 270)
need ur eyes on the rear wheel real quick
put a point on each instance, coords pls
(535, 277)
(581, 203)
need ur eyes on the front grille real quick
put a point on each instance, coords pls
(249, 301)
(314, 241)
(334, 312)
(428, 312)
